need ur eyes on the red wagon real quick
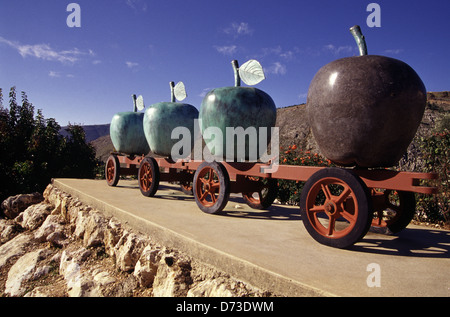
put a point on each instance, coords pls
(337, 205)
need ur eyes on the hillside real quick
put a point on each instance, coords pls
(103, 147)
(92, 132)
(294, 126)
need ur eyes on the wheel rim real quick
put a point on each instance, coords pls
(186, 186)
(208, 187)
(332, 208)
(256, 197)
(388, 206)
(146, 176)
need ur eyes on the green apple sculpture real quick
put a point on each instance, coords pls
(365, 110)
(238, 107)
(162, 118)
(126, 131)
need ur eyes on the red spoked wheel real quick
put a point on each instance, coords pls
(336, 207)
(186, 187)
(148, 176)
(211, 187)
(264, 197)
(112, 170)
(394, 210)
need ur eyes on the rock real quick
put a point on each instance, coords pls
(210, 288)
(14, 205)
(90, 227)
(33, 216)
(47, 192)
(70, 268)
(15, 247)
(25, 269)
(8, 230)
(111, 236)
(128, 251)
(98, 257)
(173, 277)
(104, 278)
(52, 224)
(40, 291)
(57, 239)
(147, 266)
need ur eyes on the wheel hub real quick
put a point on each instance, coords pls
(330, 208)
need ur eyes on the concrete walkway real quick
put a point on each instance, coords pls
(272, 250)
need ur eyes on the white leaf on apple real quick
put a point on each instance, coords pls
(180, 91)
(251, 72)
(140, 103)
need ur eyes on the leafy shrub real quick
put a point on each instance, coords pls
(32, 150)
(435, 153)
(289, 191)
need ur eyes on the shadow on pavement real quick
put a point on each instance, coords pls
(411, 242)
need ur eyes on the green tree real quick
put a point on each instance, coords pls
(32, 150)
(79, 157)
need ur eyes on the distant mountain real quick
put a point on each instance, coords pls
(92, 132)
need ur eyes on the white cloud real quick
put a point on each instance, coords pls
(394, 51)
(237, 29)
(53, 74)
(338, 50)
(46, 52)
(137, 5)
(276, 68)
(226, 50)
(204, 92)
(303, 96)
(131, 64)
(278, 51)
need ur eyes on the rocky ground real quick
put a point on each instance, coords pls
(55, 246)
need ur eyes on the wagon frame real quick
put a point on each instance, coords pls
(337, 205)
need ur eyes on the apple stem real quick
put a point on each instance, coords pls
(172, 91)
(360, 40)
(237, 78)
(134, 103)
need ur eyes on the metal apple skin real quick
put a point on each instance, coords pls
(236, 107)
(127, 133)
(365, 110)
(159, 121)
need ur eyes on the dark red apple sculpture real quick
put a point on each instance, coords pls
(365, 110)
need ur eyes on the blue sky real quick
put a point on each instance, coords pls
(86, 74)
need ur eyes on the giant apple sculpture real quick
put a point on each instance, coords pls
(365, 110)
(162, 118)
(126, 131)
(238, 107)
